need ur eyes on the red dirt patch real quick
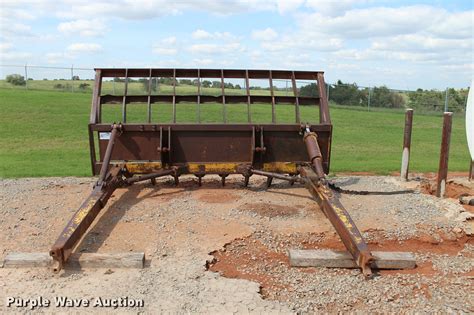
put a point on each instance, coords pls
(217, 196)
(270, 210)
(453, 190)
(249, 258)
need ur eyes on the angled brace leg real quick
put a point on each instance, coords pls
(109, 180)
(333, 209)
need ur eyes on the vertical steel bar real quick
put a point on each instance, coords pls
(224, 109)
(297, 101)
(444, 155)
(247, 89)
(95, 116)
(149, 97)
(406, 144)
(273, 96)
(92, 148)
(124, 101)
(324, 117)
(108, 154)
(199, 97)
(174, 95)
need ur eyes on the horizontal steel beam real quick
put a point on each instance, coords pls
(207, 73)
(229, 99)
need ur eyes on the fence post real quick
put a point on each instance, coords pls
(72, 78)
(406, 144)
(446, 101)
(444, 155)
(26, 76)
(368, 100)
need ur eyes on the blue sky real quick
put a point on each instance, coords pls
(401, 44)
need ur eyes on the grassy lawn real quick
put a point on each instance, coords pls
(44, 133)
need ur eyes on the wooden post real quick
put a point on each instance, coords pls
(406, 144)
(471, 171)
(444, 155)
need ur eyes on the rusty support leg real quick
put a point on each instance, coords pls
(108, 181)
(83, 218)
(406, 144)
(332, 207)
(444, 155)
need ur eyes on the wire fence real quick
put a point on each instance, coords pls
(80, 80)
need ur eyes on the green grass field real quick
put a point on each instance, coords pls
(44, 133)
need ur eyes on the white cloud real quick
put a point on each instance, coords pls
(166, 46)
(203, 61)
(216, 48)
(9, 53)
(169, 40)
(264, 35)
(285, 6)
(94, 27)
(201, 34)
(78, 48)
(55, 58)
(332, 7)
(164, 51)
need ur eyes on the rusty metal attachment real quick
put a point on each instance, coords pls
(130, 152)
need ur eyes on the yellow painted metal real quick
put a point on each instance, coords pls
(210, 168)
(280, 167)
(143, 167)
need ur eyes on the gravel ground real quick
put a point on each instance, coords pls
(242, 236)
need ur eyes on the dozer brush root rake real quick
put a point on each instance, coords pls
(131, 152)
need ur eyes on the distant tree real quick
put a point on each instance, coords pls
(83, 86)
(384, 97)
(216, 84)
(237, 87)
(206, 84)
(15, 79)
(346, 93)
(75, 78)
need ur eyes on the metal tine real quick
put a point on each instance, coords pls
(273, 96)
(295, 92)
(199, 102)
(149, 97)
(124, 102)
(224, 110)
(174, 95)
(248, 95)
